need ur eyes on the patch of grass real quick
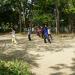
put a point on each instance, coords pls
(14, 68)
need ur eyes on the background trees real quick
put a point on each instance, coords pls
(60, 14)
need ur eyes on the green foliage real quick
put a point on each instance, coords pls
(43, 17)
(16, 11)
(14, 68)
(69, 8)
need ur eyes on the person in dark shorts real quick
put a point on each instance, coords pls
(45, 32)
(29, 33)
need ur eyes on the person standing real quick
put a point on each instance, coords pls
(45, 32)
(29, 33)
(13, 36)
(42, 31)
(49, 33)
(38, 31)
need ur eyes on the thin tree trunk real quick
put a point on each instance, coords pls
(70, 24)
(57, 20)
(20, 22)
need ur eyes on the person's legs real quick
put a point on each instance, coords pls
(12, 40)
(48, 39)
(42, 35)
(50, 36)
(15, 41)
(45, 39)
(29, 37)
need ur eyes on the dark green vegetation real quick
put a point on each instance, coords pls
(59, 14)
(14, 68)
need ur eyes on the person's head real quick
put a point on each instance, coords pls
(46, 25)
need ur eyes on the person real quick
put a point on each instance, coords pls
(42, 32)
(33, 29)
(29, 33)
(45, 32)
(49, 33)
(38, 31)
(13, 36)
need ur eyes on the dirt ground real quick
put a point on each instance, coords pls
(57, 58)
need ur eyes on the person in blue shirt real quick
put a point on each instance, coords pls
(45, 32)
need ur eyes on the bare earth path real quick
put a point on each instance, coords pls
(57, 58)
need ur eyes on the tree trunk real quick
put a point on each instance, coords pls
(57, 20)
(20, 22)
(70, 24)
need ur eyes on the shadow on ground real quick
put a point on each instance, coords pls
(58, 68)
(18, 54)
(72, 68)
(57, 73)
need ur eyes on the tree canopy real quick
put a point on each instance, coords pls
(60, 14)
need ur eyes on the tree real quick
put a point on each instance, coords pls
(18, 6)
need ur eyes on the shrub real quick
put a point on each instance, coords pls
(14, 68)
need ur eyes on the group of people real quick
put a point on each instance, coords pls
(41, 31)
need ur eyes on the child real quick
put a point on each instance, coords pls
(45, 30)
(13, 37)
(29, 33)
(49, 33)
(38, 31)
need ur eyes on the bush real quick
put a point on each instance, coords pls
(14, 68)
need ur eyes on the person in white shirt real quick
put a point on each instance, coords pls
(49, 33)
(13, 37)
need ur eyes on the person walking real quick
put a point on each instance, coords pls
(38, 31)
(49, 33)
(13, 36)
(45, 32)
(42, 31)
(29, 33)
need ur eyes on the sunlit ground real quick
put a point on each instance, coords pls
(57, 58)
